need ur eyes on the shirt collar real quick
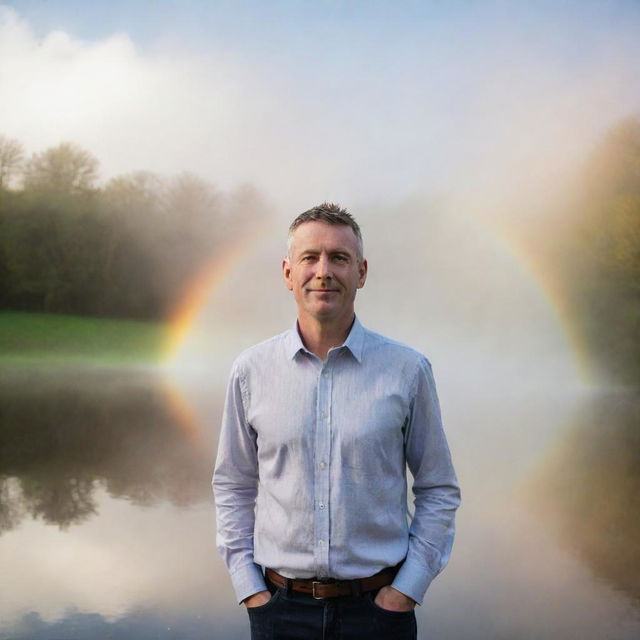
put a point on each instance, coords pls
(293, 342)
(354, 341)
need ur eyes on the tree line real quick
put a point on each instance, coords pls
(599, 257)
(126, 249)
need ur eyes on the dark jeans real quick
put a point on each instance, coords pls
(297, 616)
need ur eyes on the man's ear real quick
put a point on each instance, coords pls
(362, 269)
(286, 274)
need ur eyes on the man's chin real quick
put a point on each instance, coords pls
(322, 310)
(329, 313)
(325, 312)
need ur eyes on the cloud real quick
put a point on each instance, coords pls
(480, 109)
(132, 111)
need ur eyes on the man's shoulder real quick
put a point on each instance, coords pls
(264, 350)
(378, 343)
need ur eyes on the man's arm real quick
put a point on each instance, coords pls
(435, 489)
(235, 485)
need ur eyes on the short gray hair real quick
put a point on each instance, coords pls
(329, 213)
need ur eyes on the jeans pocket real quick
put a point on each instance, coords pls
(267, 605)
(386, 612)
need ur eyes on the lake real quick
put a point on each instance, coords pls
(107, 524)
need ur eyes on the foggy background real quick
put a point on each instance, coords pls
(490, 153)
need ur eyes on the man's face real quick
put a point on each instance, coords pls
(323, 271)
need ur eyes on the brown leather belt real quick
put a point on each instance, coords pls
(334, 588)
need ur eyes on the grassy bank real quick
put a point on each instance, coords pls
(33, 338)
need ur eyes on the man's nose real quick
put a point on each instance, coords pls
(323, 267)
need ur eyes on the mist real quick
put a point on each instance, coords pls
(457, 134)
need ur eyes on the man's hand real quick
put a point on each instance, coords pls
(393, 600)
(257, 599)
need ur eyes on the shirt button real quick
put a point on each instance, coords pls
(321, 505)
(321, 542)
(326, 374)
(323, 465)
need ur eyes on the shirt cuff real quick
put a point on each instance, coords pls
(248, 580)
(413, 580)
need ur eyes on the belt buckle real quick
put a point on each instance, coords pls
(313, 590)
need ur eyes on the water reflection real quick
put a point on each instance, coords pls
(141, 624)
(588, 488)
(66, 435)
(108, 526)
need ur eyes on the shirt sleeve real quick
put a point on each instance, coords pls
(435, 489)
(235, 486)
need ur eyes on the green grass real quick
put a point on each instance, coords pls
(42, 338)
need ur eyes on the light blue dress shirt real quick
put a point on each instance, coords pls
(310, 477)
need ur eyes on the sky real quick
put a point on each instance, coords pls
(349, 101)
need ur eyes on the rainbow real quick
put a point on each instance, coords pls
(217, 269)
(198, 291)
(208, 278)
(553, 293)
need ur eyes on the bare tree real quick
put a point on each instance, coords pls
(11, 160)
(63, 169)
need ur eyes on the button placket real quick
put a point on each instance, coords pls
(322, 453)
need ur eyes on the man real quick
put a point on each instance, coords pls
(319, 426)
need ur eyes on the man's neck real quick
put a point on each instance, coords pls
(319, 337)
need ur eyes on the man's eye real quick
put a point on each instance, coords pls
(341, 258)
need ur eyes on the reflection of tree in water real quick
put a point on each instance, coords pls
(590, 488)
(10, 511)
(64, 436)
(139, 623)
(61, 500)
